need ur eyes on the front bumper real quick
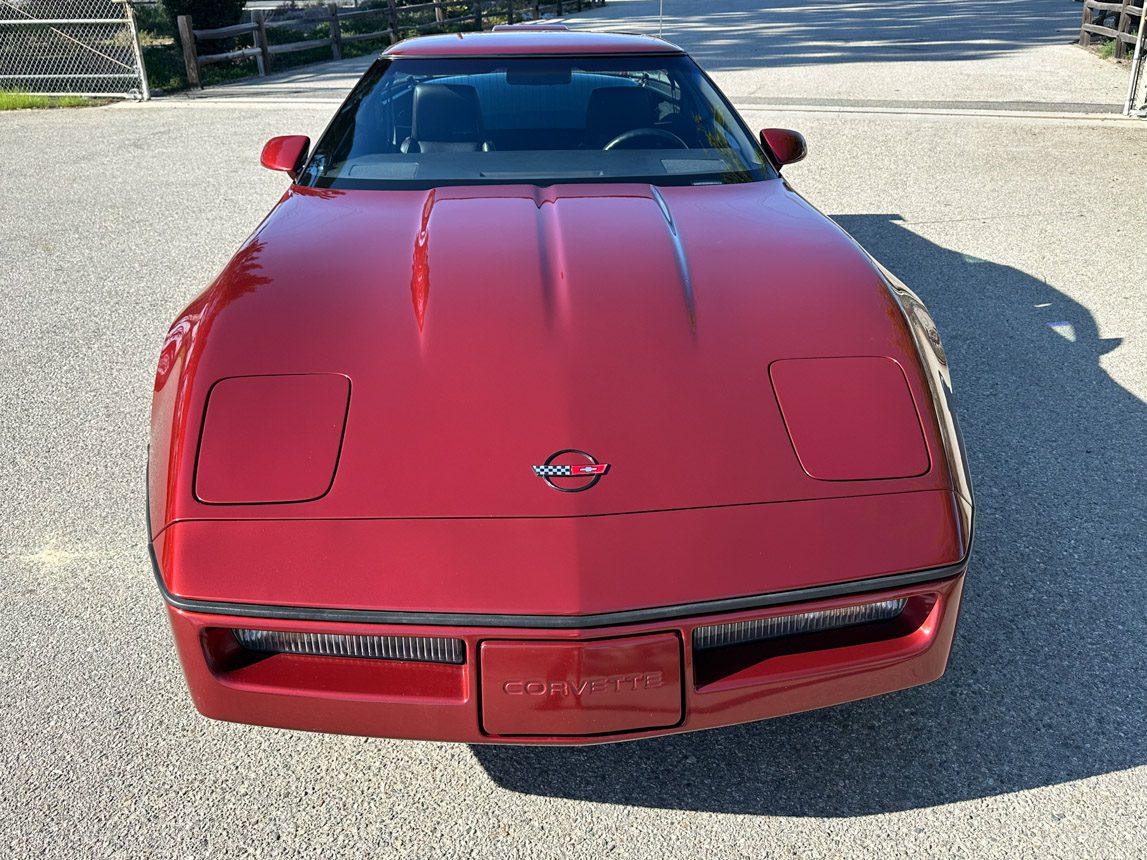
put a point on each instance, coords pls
(551, 685)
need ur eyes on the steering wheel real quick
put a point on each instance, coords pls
(635, 133)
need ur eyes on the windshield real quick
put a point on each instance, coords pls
(427, 122)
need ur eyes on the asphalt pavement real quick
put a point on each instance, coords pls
(1018, 215)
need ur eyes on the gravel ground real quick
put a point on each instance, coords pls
(1023, 234)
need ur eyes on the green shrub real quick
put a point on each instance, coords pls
(152, 18)
(206, 14)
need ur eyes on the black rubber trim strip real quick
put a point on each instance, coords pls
(552, 622)
(667, 51)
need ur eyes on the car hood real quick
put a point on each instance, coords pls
(485, 328)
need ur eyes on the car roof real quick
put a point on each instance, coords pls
(526, 40)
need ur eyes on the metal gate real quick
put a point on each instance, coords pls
(74, 47)
(1136, 104)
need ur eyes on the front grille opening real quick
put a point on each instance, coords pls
(417, 649)
(757, 629)
(749, 651)
(382, 668)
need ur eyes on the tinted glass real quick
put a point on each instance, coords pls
(427, 122)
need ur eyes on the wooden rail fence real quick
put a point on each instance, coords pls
(1126, 13)
(459, 14)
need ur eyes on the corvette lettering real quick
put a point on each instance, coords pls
(586, 686)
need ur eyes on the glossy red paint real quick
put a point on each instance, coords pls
(560, 565)
(420, 267)
(529, 40)
(442, 702)
(298, 421)
(876, 430)
(785, 145)
(285, 153)
(588, 340)
(637, 325)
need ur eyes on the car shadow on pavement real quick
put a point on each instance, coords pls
(1045, 682)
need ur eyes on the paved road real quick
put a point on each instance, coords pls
(1013, 52)
(1020, 231)
(909, 54)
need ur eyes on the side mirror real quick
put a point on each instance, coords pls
(785, 146)
(285, 153)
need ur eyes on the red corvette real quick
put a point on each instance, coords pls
(542, 410)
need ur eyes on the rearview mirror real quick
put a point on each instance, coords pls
(784, 145)
(285, 153)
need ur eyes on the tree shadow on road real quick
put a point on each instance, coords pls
(769, 34)
(1046, 681)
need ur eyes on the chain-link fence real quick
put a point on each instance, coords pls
(75, 47)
